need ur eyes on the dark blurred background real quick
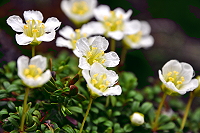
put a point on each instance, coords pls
(175, 28)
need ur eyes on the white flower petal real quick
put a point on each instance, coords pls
(61, 42)
(30, 15)
(132, 27)
(94, 89)
(16, 23)
(111, 59)
(77, 53)
(47, 36)
(146, 41)
(83, 46)
(145, 28)
(86, 75)
(45, 77)
(100, 42)
(97, 68)
(170, 66)
(161, 77)
(193, 84)
(112, 77)
(22, 63)
(117, 35)
(52, 24)
(102, 11)
(112, 91)
(187, 72)
(83, 64)
(96, 28)
(22, 39)
(120, 12)
(39, 61)
(67, 32)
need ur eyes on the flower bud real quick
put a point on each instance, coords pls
(137, 118)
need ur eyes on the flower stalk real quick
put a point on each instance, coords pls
(24, 109)
(86, 114)
(33, 51)
(155, 124)
(112, 45)
(187, 110)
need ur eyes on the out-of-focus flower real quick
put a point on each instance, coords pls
(34, 31)
(91, 52)
(177, 78)
(101, 81)
(137, 118)
(31, 72)
(71, 36)
(196, 92)
(79, 11)
(141, 39)
(115, 23)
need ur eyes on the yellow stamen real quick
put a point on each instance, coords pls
(179, 82)
(171, 79)
(25, 26)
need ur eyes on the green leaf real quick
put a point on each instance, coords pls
(12, 65)
(14, 131)
(2, 96)
(116, 126)
(145, 107)
(75, 109)
(167, 126)
(29, 118)
(128, 128)
(117, 113)
(12, 88)
(135, 106)
(3, 112)
(113, 100)
(108, 123)
(99, 105)
(162, 119)
(95, 110)
(37, 113)
(13, 121)
(6, 84)
(2, 92)
(36, 120)
(68, 128)
(99, 120)
(11, 105)
(138, 97)
(32, 128)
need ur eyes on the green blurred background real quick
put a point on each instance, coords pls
(175, 28)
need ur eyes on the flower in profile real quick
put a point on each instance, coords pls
(34, 31)
(115, 23)
(137, 118)
(71, 36)
(101, 81)
(141, 39)
(91, 52)
(31, 72)
(79, 11)
(177, 78)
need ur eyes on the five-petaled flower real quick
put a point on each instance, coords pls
(78, 11)
(141, 39)
(31, 72)
(91, 52)
(71, 36)
(177, 78)
(137, 118)
(115, 23)
(101, 81)
(34, 31)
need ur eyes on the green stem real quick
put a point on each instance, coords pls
(24, 110)
(86, 114)
(112, 45)
(33, 51)
(155, 124)
(107, 100)
(187, 110)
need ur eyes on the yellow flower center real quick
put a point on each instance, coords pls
(135, 37)
(175, 78)
(32, 72)
(77, 36)
(113, 22)
(100, 82)
(34, 28)
(95, 55)
(80, 7)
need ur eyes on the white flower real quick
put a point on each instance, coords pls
(91, 52)
(70, 36)
(115, 23)
(137, 118)
(141, 39)
(34, 31)
(31, 72)
(78, 11)
(101, 81)
(177, 78)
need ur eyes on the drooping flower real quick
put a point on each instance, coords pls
(91, 52)
(31, 72)
(70, 36)
(137, 119)
(34, 31)
(101, 81)
(177, 78)
(79, 11)
(141, 39)
(115, 23)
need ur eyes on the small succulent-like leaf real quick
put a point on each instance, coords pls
(167, 126)
(128, 128)
(68, 129)
(75, 109)
(32, 128)
(145, 107)
(13, 121)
